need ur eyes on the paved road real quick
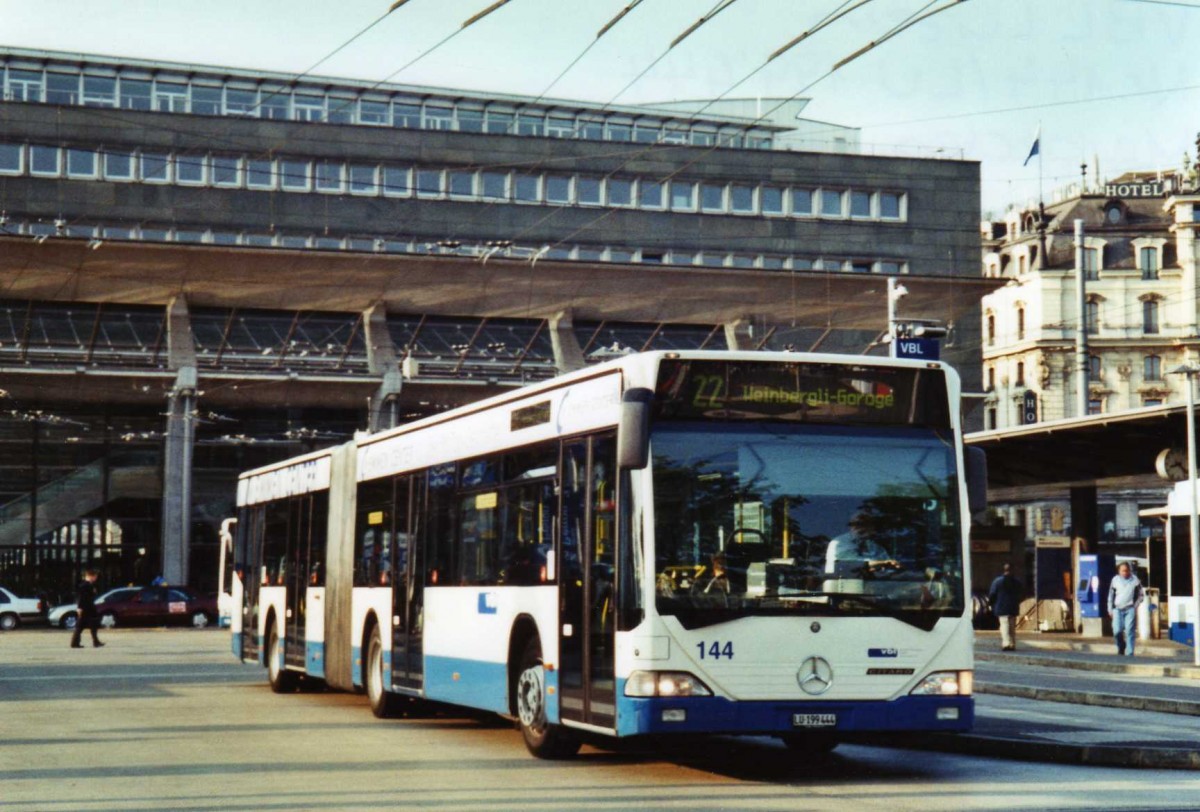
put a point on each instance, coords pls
(167, 720)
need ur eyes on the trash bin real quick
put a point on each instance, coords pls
(1153, 629)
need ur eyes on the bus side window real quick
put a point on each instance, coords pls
(372, 530)
(439, 526)
(275, 536)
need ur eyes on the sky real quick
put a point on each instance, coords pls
(1110, 80)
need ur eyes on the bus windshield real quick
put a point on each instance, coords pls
(779, 518)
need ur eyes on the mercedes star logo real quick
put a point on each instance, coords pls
(815, 676)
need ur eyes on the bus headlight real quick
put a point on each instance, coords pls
(664, 684)
(945, 683)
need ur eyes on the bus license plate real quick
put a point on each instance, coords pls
(814, 720)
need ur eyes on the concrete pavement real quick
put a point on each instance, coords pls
(1064, 699)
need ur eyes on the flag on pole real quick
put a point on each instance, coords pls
(1036, 148)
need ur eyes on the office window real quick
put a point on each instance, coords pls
(710, 259)
(590, 128)
(991, 329)
(771, 199)
(803, 264)
(438, 117)
(860, 204)
(527, 188)
(831, 203)
(328, 243)
(241, 102)
(1148, 259)
(44, 160)
(1095, 370)
(683, 195)
(462, 184)
(1019, 378)
(226, 170)
(328, 176)
(406, 114)
(117, 233)
(273, 102)
(258, 240)
(12, 159)
(25, 85)
(1020, 323)
(650, 194)
(675, 133)
(470, 120)
(136, 94)
(294, 175)
(364, 180)
(531, 124)
(206, 101)
(741, 261)
(704, 138)
(62, 88)
(1152, 401)
(770, 262)
(712, 197)
(589, 191)
(1152, 368)
(1091, 263)
(307, 107)
(558, 189)
(991, 379)
(100, 91)
(189, 169)
(170, 97)
(861, 266)
(189, 235)
(81, 163)
(990, 418)
(429, 183)
(291, 241)
(1096, 406)
(1150, 316)
(374, 112)
(802, 202)
(500, 122)
(154, 167)
(891, 268)
(620, 255)
(495, 185)
(1092, 317)
(619, 131)
(647, 132)
(889, 205)
(397, 181)
(341, 110)
(620, 192)
(560, 127)
(741, 199)
(589, 254)
(260, 173)
(224, 238)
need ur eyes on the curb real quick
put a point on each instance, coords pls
(1142, 669)
(1153, 758)
(1143, 703)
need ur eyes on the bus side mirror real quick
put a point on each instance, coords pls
(633, 430)
(977, 479)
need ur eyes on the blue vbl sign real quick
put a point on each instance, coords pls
(924, 349)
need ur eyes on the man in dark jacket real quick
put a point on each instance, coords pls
(1005, 595)
(85, 610)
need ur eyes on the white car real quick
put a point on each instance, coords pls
(14, 610)
(66, 615)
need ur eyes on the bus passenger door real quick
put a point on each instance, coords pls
(246, 569)
(407, 582)
(587, 608)
(295, 579)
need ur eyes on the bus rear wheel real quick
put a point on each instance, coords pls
(282, 681)
(384, 703)
(542, 739)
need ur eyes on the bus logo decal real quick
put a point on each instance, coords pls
(815, 676)
(883, 652)
(487, 603)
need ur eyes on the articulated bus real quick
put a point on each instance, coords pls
(670, 542)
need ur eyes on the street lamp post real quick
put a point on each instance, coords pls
(1189, 371)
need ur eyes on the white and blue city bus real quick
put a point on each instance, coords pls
(671, 542)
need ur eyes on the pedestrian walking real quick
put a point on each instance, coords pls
(85, 610)
(1005, 596)
(1125, 593)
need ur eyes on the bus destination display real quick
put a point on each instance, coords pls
(806, 392)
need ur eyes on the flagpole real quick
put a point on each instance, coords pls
(1041, 197)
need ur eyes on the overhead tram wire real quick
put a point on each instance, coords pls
(907, 23)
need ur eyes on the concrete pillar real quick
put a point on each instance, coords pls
(568, 355)
(382, 360)
(180, 435)
(738, 335)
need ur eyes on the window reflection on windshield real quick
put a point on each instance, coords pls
(767, 519)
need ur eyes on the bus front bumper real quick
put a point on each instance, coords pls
(944, 714)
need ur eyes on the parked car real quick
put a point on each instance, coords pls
(66, 615)
(14, 611)
(157, 605)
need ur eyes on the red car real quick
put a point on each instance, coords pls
(157, 606)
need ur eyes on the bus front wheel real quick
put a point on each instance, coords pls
(542, 739)
(384, 704)
(282, 681)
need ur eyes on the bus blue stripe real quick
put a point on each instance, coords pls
(314, 659)
(473, 683)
